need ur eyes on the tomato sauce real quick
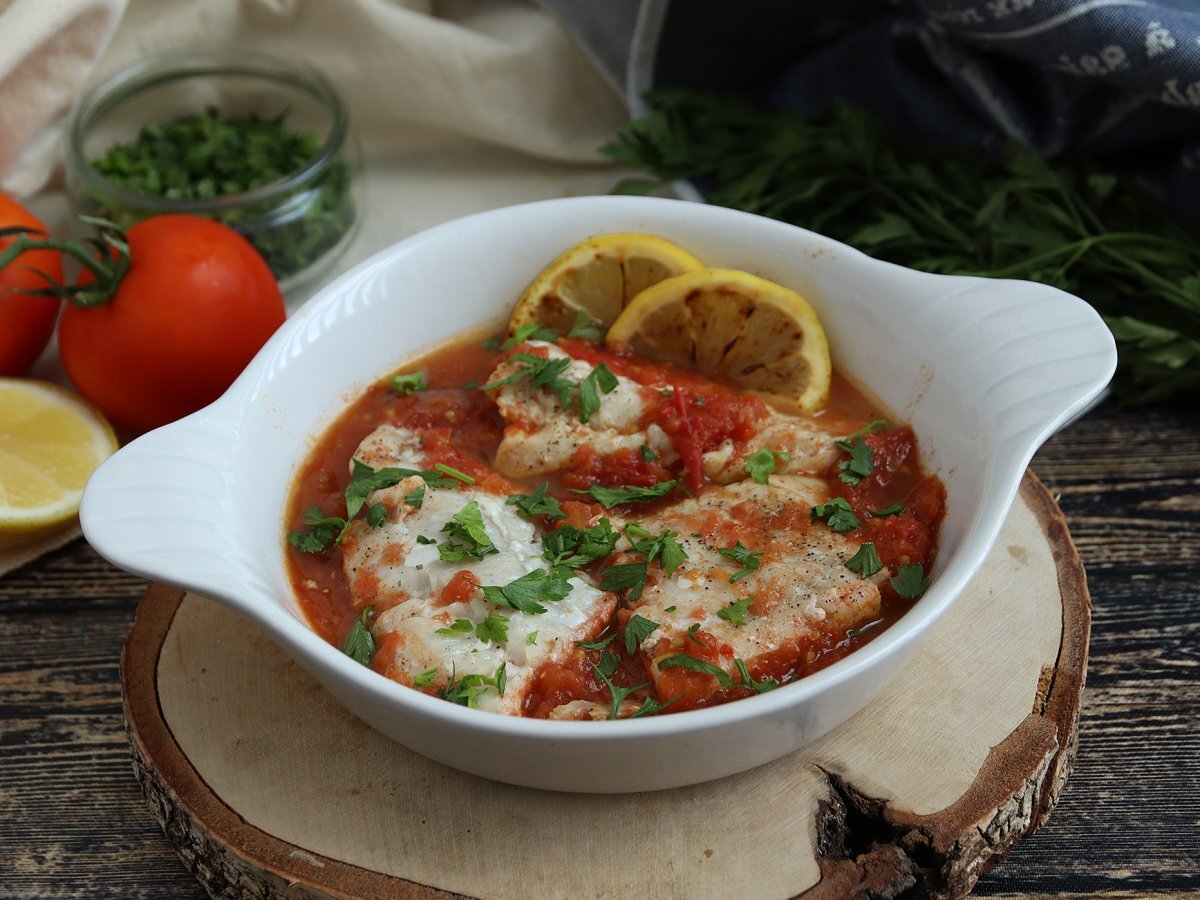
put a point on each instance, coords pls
(462, 428)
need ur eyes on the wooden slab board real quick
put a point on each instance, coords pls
(266, 787)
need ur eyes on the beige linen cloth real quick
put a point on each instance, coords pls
(459, 105)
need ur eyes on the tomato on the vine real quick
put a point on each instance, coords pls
(183, 315)
(26, 320)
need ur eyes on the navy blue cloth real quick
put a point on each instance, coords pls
(1116, 79)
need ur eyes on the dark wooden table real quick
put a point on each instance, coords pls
(73, 824)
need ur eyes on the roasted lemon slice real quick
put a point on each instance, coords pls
(749, 331)
(50, 443)
(598, 277)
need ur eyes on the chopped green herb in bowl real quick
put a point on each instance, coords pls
(269, 154)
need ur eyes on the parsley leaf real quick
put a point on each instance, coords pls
(541, 372)
(911, 582)
(759, 687)
(324, 531)
(736, 611)
(608, 497)
(360, 643)
(466, 690)
(749, 560)
(652, 707)
(892, 510)
(426, 678)
(637, 629)
(597, 645)
(458, 629)
(493, 629)
(492, 343)
(599, 380)
(691, 633)
(408, 384)
(537, 504)
(530, 331)
(376, 514)
(585, 327)
(415, 498)
(454, 473)
(606, 668)
(838, 513)
(865, 562)
(647, 454)
(761, 463)
(684, 661)
(531, 639)
(524, 593)
(574, 547)
(871, 428)
(860, 463)
(421, 539)
(665, 548)
(625, 577)
(468, 538)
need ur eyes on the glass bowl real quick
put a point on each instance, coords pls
(300, 223)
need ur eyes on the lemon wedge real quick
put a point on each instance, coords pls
(753, 333)
(599, 277)
(50, 443)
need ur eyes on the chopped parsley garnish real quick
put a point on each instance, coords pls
(871, 428)
(749, 560)
(468, 538)
(529, 591)
(860, 463)
(608, 497)
(458, 629)
(625, 577)
(684, 661)
(838, 514)
(637, 629)
(605, 670)
(408, 384)
(426, 678)
(415, 498)
(632, 576)
(360, 643)
(911, 582)
(692, 629)
(607, 665)
(454, 473)
(541, 372)
(575, 547)
(323, 531)
(531, 639)
(892, 510)
(376, 514)
(865, 562)
(599, 380)
(761, 463)
(493, 629)
(737, 611)
(652, 707)
(421, 539)
(539, 503)
(492, 343)
(671, 608)
(530, 331)
(466, 690)
(585, 327)
(597, 645)
(647, 454)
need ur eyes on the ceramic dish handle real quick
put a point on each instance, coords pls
(162, 507)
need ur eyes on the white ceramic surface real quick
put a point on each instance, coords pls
(984, 370)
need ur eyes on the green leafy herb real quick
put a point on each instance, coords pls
(1010, 215)
(415, 498)
(529, 591)
(323, 531)
(599, 380)
(531, 639)
(207, 155)
(859, 465)
(691, 633)
(910, 581)
(492, 343)
(575, 547)
(749, 560)
(466, 691)
(360, 643)
(597, 645)
(458, 629)
(625, 577)
(759, 687)
(376, 514)
(607, 665)
(869, 428)
(637, 629)
(838, 513)
(454, 473)
(421, 539)
(865, 562)
(652, 707)
(605, 669)
(468, 538)
(586, 328)
(671, 608)
(892, 510)
(493, 629)
(684, 661)
(409, 384)
(631, 577)
(539, 503)
(608, 497)
(647, 454)
(426, 678)
(530, 331)
(541, 372)
(737, 611)
(761, 463)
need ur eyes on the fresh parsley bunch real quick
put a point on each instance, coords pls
(954, 212)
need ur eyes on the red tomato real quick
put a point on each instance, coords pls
(195, 306)
(26, 322)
